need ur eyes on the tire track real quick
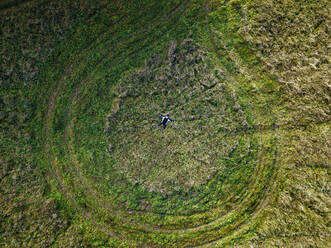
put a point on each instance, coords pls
(48, 118)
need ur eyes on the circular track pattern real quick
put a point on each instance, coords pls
(204, 177)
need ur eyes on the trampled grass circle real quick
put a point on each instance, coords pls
(193, 148)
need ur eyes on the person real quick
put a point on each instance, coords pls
(165, 119)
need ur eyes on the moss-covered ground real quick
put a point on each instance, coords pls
(245, 164)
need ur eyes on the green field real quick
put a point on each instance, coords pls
(245, 164)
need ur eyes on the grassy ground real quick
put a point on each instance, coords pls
(245, 164)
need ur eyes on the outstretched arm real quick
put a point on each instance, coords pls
(171, 120)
